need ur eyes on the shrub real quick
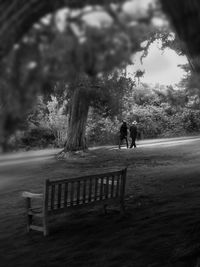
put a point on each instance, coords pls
(102, 131)
(38, 137)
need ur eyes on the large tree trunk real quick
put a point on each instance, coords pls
(194, 63)
(184, 15)
(78, 114)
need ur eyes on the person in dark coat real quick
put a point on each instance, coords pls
(133, 133)
(123, 134)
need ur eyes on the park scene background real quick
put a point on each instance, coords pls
(66, 84)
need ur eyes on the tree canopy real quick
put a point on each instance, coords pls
(18, 16)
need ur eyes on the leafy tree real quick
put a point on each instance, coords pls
(50, 115)
(138, 75)
(90, 52)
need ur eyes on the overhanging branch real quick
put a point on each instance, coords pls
(18, 16)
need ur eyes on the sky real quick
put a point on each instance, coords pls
(160, 66)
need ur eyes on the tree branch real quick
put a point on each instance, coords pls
(18, 16)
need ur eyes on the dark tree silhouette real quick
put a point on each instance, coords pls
(184, 16)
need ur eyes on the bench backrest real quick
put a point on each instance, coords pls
(65, 193)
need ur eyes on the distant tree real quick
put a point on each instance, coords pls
(138, 75)
(104, 94)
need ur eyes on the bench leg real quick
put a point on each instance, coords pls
(105, 208)
(45, 226)
(29, 222)
(29, 217)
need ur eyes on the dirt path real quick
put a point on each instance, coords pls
(162, 222)
(37, 155)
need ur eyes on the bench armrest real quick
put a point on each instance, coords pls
(31, 195)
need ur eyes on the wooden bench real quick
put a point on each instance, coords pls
(63, 195)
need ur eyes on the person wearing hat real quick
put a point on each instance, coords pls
(123, 134)
(133, 133)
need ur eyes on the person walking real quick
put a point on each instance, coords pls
(133, 133)
(123, 134)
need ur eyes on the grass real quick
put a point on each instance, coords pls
(161, 226)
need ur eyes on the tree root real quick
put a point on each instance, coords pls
(62, 155)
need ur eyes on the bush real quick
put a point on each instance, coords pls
(153, 122)
(102, 131)
(165, 121)
(38, 137)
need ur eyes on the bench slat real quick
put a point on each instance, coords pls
(101, 188)
(102, 175)
(37, 228)
(117, 187)
(52, 196)
(65, 194)
(72, 193)
(107, 187)
(31, 195)
(78, 191)
(59, 195)
(84, 190)
(112, 186)
(90, 190)
(96, 189)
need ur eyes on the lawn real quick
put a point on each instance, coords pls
(161, 226)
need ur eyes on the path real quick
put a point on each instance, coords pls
(13, 164)
(11, 159)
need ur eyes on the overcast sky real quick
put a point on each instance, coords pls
(160, 66)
